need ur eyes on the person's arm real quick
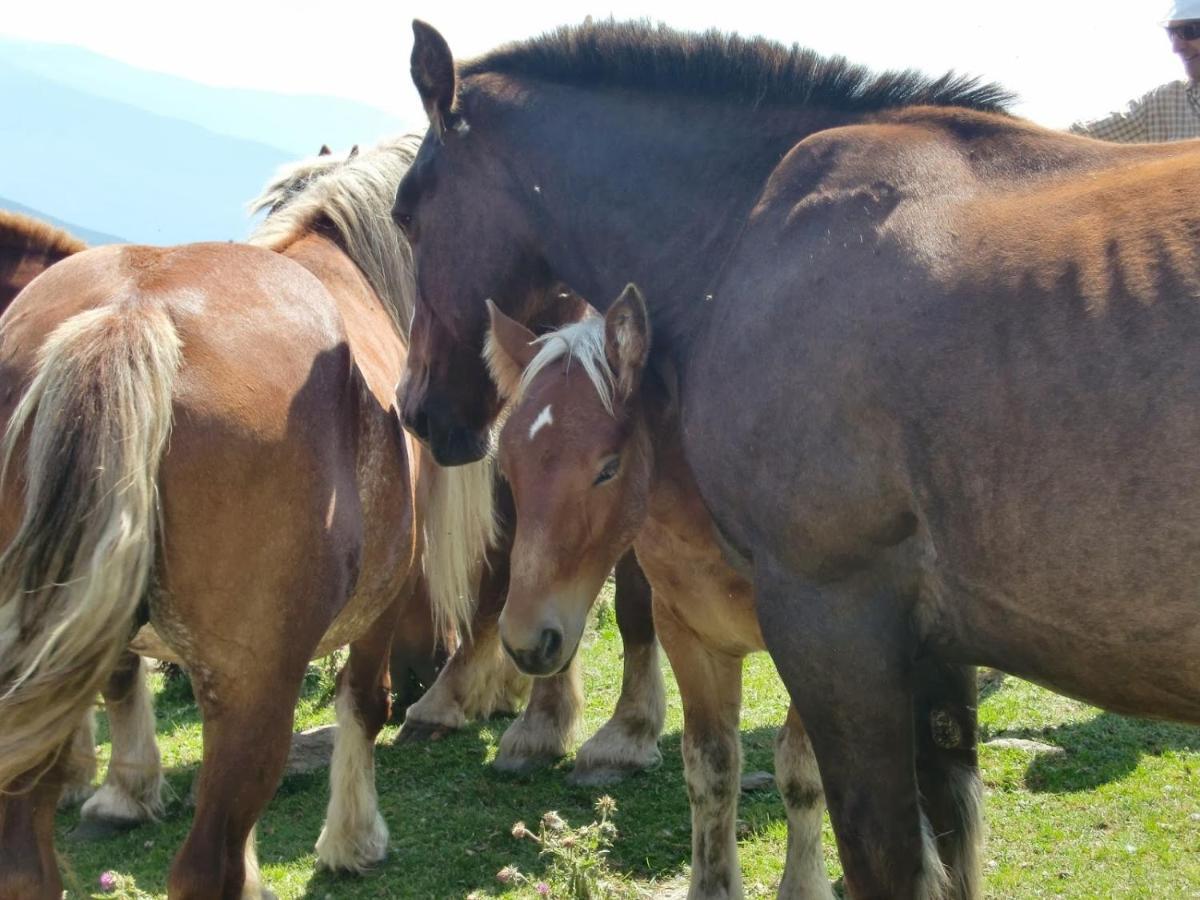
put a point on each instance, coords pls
(1129, 126)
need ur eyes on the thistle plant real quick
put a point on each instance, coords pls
(577, 858)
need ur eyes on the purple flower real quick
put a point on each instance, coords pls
(543, 889)
(108, 881)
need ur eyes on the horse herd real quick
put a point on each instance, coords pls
(874, 377)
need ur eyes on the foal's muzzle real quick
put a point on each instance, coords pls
(544, 659)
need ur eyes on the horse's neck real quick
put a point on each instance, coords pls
(376, 347)
(654, 190)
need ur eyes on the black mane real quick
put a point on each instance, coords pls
(640, 55)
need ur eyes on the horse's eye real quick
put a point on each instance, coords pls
(404, 220)
(608, 471)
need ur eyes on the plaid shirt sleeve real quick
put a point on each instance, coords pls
(1127, 127)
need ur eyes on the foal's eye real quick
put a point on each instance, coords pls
(608, 471)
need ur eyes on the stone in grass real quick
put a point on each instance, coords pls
(758, 781)
(311, 750)
(1026, 745)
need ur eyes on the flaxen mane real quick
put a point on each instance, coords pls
(28, 233)
(639, 55)
(581, 342)
(355, 198)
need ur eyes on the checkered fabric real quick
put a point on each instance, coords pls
(1170, 112)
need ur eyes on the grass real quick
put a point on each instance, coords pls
(1115, 815)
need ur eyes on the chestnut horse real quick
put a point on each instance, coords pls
(205, 440)
(132, 789)
(938, 377)
(28, 246)
(593, 452)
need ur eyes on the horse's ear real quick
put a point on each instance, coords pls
(627, 340)
(353, 153)
(324, 151)
(432, 69)
(508, 350)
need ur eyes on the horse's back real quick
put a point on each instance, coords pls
(980, 346)
(258, 484)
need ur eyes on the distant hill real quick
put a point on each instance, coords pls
(297, 124)
(94, 238)
(122, 170)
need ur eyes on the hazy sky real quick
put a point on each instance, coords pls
(1065, 59)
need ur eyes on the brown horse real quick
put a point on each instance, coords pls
(937, 365)
(132, 789)
(284, 516)
(29, 246)
(593, 452)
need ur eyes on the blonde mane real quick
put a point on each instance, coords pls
(581, 341)
(355, 197)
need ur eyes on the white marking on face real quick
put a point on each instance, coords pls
(545, 417)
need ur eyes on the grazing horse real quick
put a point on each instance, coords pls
(593, 452)
(28, 246)
(205, 440)
(938, 377)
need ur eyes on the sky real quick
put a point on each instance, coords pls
(1065, 59)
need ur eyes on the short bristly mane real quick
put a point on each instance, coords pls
(581, 342)
(642, 56)
(355, 198)
(28, 233)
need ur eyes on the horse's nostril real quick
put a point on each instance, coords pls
(550, 644)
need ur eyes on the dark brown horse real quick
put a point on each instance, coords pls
(286, 515)
(29, 246)
(937, 365)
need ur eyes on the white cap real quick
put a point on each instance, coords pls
(1182, 10)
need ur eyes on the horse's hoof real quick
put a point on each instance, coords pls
(414, 732)
(91, 830)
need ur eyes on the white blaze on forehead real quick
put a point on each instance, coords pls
(545, 417)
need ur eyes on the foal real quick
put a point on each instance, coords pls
(592, 450)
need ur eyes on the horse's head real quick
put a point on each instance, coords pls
(576, 452)
(470, 223)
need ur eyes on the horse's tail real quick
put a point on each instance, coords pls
(98, 415)
(460, 524)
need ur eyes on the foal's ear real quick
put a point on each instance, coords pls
(324, 151)
(432, 68)
(627, 340)
(509, 348)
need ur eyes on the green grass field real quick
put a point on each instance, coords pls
(1117, 814)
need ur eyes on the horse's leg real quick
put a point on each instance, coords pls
(247, 713)
(799, 781)
(80, 764)
(710, 686)
(418, 651)
(546, 727)
(132, 789)
(355, 836)
(479, 680)
(844, 652)
(948, 768)
(28, 868)
(628, 742)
